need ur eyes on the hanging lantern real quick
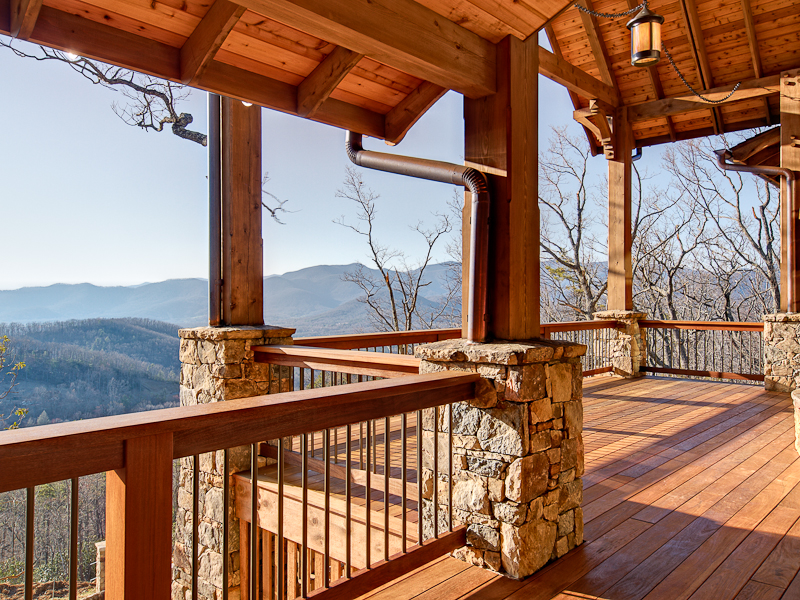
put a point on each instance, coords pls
(645, 38)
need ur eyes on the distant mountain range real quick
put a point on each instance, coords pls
(316, 300)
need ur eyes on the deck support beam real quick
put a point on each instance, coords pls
(242, 249)
(620, 191)
(501, 139)
(790, 159)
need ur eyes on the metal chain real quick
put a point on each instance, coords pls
(686, 83)
(594, 13)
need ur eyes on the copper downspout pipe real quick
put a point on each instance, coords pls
(789, 178)
(214, 211)
(474, 181)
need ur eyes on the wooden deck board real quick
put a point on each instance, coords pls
(692, 491)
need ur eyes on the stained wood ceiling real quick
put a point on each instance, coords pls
(376, 66)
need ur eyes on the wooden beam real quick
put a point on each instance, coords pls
(24, 14)
(207, 38)
(139, 521)
(403, 116)
(688, 102)
(620, 191)
(698, 47)
(501, 133)
(320, 83)
(576, 80)
(400, 33)
(597, 45)
(574, 98)
(755, 52)
(743, 151)
(242, 251)
(790, 159)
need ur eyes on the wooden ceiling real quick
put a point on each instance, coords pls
(375, 66)
(715, 43)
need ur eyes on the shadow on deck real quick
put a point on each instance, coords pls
(692, 490)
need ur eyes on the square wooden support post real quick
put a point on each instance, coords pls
(217, 365)
(139, 521)
(620, 188)
(790, 159)
(517, 452)
(501, 139)
(242, 246)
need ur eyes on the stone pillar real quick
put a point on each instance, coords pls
(782, 352)
(100, 567)
(518, 451)
(217, 365)
(628, 342)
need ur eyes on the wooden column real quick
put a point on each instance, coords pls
(501, 139)
(620, 189)
(790, 159)
(139, 521)
(242, 247)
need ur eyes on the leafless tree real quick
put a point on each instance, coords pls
(393, 296)
(574, 279)
(9, 369)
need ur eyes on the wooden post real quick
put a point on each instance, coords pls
(620, 269)
(242, 247)
(139, 521)
(790, 159)
(501, 139)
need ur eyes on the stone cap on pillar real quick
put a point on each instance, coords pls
(618, 315)
(782, 317)
(499, 352)
(240, 332)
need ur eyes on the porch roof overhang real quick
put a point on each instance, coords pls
(715, 44)
(373, 66)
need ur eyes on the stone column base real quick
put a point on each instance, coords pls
(217, 365)
(518, 451)
(782, 352)
(628, 344)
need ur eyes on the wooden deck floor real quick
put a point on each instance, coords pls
(692, 490)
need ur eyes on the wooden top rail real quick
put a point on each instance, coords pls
(547, 328)
(376, 340)
(704, 325)
(48, 453)
(354, 362)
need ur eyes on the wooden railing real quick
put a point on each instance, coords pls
(137, 452)
(595, 335)
(716, 349)
(397, 342)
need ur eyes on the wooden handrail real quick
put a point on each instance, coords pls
(548, 328)
(379, 339)
(354, 362)
(703, 325)
(48, 453)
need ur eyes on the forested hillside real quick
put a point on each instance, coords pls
(91, 368)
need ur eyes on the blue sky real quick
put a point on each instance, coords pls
(87, 198)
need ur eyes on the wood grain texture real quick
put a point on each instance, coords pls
(620, 232)
(377, 340)
(598, 46)
(80, 448)
(576, 80)
(790, 159)
(242, 249)
(23, 17)
(139, 521)
(344, 361)
(207, 38)
(403, 116)
(318, 86)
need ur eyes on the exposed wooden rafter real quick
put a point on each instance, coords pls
(207, 38)
(24, 14)
(698, 47)
(753, 88)
(403, 116)
(597, 45)
(320, 83)
(400, 33)
(576, 80)
(576, 103)
(755, 53)
(749, 148)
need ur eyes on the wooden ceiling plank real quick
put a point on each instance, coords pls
(400, 33)
(403, 116)
(576, 80)
(597, 45)
(207, 38)
(318, 86)
(24, 14)
(693, 27)
(755, 53)
(752, 88)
